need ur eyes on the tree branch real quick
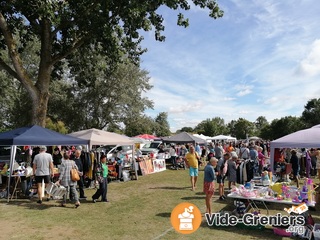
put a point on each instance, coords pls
(8, 69)
(19, 72)
(75, 46)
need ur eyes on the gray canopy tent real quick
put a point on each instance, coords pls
(183, 137)
(34, 136)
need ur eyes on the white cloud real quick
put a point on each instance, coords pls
(260, 59)
(187, 107)
(310, 66)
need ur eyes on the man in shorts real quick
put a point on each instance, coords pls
(221, 174)
(192, 162)
(42, 166)
(208, 183)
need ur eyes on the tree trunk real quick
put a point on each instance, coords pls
(39, 109)
(40, 95)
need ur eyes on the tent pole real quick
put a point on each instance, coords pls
(134, 162)
(12, 157)
(272, 159)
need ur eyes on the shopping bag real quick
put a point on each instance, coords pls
(74, 175)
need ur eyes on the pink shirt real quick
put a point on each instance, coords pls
(261, 158)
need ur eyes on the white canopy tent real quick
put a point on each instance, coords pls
(306, 138)
(224, 137)
(101, 137)
(204, 137)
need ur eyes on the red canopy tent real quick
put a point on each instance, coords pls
(146, 136)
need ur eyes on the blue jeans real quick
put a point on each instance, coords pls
(102, 191)
(173, 160)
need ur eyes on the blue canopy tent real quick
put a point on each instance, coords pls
(34, 136)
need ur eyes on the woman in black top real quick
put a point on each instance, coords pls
(295, 165)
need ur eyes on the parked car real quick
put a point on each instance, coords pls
(154, 148)
(113, 151)
(5, 153)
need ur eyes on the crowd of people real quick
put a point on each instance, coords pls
(43, 164)
(222, 161)
(305, 162)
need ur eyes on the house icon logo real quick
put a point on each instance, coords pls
(186, 218)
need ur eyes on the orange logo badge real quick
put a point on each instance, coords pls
(186, 218)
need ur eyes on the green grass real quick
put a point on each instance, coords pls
(137, 210)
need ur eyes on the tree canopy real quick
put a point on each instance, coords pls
(62, 27)
(311, 113)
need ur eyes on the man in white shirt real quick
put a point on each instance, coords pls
(42, 167)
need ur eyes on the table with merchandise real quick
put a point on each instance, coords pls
(274, 193)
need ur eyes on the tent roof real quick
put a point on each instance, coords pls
(146, 136)
(183, 137)
(202, 136)
(101, 137)
(223, 137)
(304, 138)
(36, 135)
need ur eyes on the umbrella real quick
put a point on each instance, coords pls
(146, 136)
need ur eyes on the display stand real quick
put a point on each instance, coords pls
(253, 201)
(159, 165)
(16, 189)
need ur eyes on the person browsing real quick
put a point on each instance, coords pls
(42, 168)
(192, 162)
(208, 183)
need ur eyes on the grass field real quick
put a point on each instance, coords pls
(137, 210)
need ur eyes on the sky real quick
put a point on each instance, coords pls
(262, 58)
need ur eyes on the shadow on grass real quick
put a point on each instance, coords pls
(192, 197)
(200, 193)
(31, 204)
(171, 188)
(165, 214)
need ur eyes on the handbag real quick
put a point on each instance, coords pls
(74, 174)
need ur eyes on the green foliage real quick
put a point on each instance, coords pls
(311, 114)
(260, 124)
(284, 126)
(139, 125)
(108, 98)
(241, 128)
(266, 133)
(211, 127)
(56, 126)
(185, 129)
(162, 127)
(62, 27)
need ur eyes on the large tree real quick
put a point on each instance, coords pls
(103, 102)
(241, 128)
(311, 113)
(211, 127)
(284, 126)
(139, 125)
(63, 26)
(260, 123)
(162, 127)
